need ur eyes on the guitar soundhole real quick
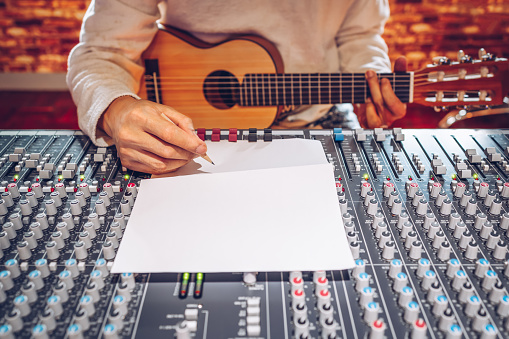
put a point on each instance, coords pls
(221, 89)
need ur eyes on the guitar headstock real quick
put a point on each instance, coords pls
(466, 82)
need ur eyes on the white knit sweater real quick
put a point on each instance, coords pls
(311, 35)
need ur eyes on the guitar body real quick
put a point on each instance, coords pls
(181, 56)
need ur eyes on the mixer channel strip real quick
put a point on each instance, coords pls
(425, 212)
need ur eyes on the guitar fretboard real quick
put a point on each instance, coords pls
(315, 88)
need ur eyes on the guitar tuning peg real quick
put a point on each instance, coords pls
(461, 54)
(488, 57)
(441, 60)
(466, 59)
(482, 52)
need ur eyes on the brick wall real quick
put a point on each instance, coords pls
(423, 29)
(37, 35)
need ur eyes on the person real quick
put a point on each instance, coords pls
(104, 68)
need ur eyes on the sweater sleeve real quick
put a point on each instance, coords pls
(106, 63)
(359, 39)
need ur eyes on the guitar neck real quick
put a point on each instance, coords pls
(316, 88)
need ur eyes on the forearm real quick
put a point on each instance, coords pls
(105, 64)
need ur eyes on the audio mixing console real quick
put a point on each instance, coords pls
(425, 211)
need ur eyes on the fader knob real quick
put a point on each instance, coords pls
(405, 296)
(446, 320)
(483, 189)
(108, 188)
(496, 207)
(417, 197)
(472, 306)
(75, 332)
(7, 198)
(497, 292)
(75, 207)
(412, 189)
(428, 279)
(471, 251)
(411, 312)
(400, 281)
(503, 306)
(365, 188)
(489, 332)
(446, 207)
(60, 188)
(471, 207)
(131, 188)
(13, 190)
(60, 289)
(47, 317)
(21, 303)
(423, 265)
(42, 266)
(435, 189)
(440, 198)
(395, 268)
(460, 189)
(459, 278)
(35, 277)
(80, 196)
(505, 190)
(465, 198)
(372, 207)
(422, 207)
(40, 331)
(371, 312)
(366, 296)
(14, 319)
(500, 251)
(480, 219)
(12, 266)
(393, 196)
(32, 200)
(388, 189)
(66, 277)
(55, 304)
(105, 198)
(125, 207)
(37, 189)
(25, 207)
(419, 329)
(362, 281)
(370, 195)
(377, 329)
(42, 220)
(415, 250)
(85, 189)
(100, 207)
(440, 305)
(402, 218)
(452, 267)
(490, 198)
(444, 251)
(486, 229)
(388, 250)
(490, 278)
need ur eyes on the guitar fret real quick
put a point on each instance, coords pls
(314, 88)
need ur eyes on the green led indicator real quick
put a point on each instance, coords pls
(126, 177)
(365, 176)
(16, 176)
(475, 176)
(60, 177)
(185, 277)
(199, 276)
(453, 177)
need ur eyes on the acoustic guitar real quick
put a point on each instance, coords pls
(241, 83)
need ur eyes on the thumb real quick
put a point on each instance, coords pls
(400, 65)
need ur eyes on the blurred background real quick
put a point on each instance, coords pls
(37, 35)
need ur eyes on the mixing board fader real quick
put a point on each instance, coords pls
(425, 212)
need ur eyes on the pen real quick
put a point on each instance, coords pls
(204, 156)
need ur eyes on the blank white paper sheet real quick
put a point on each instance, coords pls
(260, 220)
